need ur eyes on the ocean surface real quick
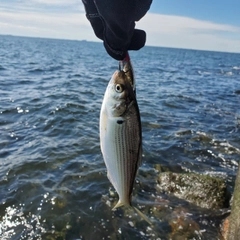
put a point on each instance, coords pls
(53, 182)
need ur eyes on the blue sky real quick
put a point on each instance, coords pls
(220, 11)
(204, 25)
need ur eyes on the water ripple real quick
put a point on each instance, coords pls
(51, 164)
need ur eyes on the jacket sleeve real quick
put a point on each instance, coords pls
(113, 21)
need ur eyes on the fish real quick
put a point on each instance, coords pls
(126, 66)
(121, 134)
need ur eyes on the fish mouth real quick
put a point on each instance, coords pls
(126, 66)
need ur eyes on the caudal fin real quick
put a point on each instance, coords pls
(142, 215)
(120, 204)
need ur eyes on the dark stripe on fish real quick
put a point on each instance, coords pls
(120, 121)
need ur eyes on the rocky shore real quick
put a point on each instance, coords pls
(231, 225)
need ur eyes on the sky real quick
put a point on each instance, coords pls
(191, 24)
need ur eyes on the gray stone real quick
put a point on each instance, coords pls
(203, 190)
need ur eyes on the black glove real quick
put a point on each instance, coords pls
(113, 21)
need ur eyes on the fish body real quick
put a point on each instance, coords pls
(121, 135)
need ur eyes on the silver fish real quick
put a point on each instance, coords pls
(121, 135)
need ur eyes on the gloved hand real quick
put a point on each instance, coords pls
(113, 21)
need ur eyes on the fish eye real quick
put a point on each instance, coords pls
(119, 88)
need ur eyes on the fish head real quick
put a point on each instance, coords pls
(120, 94)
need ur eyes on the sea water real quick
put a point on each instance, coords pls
(53, 181)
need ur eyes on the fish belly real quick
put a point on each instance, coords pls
(121, 146)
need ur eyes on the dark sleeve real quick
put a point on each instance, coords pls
(113, 21)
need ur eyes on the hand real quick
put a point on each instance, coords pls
(113, 21)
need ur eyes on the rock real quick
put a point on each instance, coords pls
(203, 190)
(233, 226)
(225, 228)
(183, 227)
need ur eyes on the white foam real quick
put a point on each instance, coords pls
(236, 68)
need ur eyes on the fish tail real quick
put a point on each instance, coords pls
(142, 215)
(119, 204)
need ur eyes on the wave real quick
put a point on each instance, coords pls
(48, 69)
(236, 68)
(36, 70)
(2, 68)
(204, 72)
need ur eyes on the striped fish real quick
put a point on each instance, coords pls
(121, 135)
